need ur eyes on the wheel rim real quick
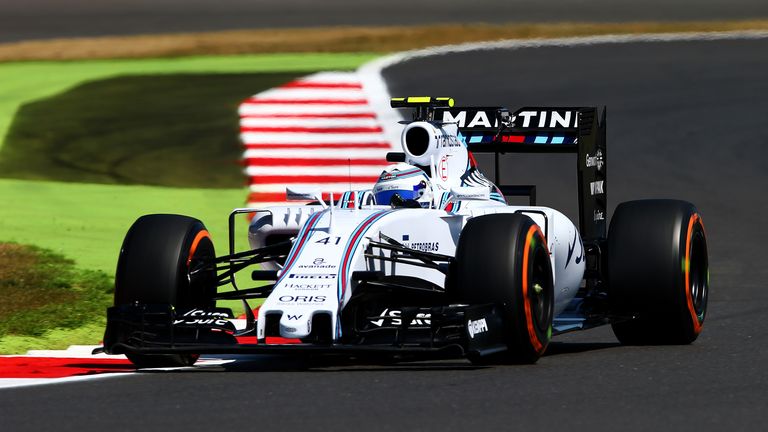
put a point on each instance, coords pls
(699, 274)
(201, 278)
(539, 294)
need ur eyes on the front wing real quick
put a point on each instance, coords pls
(447, 332)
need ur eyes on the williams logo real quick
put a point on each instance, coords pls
(597, 187)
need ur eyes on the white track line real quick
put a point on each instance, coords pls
(26, 382)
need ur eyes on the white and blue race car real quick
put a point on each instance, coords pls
(430, 262)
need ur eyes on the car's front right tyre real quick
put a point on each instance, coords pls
(503, 259)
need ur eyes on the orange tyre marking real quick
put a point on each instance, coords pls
(688, 294)
(534, 338)
(200, 235)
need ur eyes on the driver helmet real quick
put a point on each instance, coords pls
(403, 183)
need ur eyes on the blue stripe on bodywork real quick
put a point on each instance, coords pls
(301, 241)
(354, 240)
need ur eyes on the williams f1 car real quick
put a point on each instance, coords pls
(429, 262)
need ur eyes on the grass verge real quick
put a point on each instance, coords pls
(23, 82)
(164, 130)
(44, 292)
(88, 221)
(335, 39)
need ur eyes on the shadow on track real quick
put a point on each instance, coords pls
(332, 363)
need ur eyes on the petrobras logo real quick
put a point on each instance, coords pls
(423, 246)
(475, 327)
(447, 140)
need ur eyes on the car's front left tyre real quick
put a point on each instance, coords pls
(155, 266)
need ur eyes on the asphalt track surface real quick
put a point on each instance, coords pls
(686, 120)
(42, 19)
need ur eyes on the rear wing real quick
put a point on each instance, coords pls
(578, 130)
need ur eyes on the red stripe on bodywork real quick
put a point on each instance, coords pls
(513, 138)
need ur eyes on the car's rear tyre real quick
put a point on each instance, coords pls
(658, 271)
(154, 266)
(503, 259)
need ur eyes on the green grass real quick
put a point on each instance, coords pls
(22, 82)
(44, 292)
(55, 339)
(88, 221)
(165, 130)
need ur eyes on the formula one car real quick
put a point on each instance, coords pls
(430, 262)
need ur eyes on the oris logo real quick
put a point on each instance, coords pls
(302, 299)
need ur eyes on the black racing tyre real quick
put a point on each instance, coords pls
(658, 271)
(503, 259)
(154, 268)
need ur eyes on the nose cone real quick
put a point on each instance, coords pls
(295, 325)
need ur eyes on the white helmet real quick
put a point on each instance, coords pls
(405, 181)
